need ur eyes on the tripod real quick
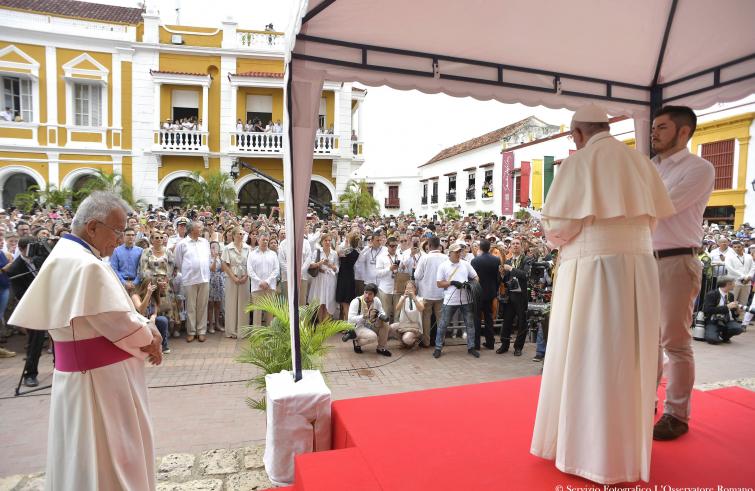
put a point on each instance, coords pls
(36, 344)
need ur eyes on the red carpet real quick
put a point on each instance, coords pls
(477, 437)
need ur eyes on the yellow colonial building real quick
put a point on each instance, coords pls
(91, 87)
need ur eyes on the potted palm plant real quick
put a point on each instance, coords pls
(269, 347)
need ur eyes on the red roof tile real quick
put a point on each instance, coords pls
(74, 8)
(259, 74)
(480, 141)
(166, 72)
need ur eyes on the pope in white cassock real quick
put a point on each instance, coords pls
(100, 435)
(595, 412)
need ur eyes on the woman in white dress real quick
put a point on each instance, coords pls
(322, 288)
(408, 329)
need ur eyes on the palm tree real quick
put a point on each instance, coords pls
(269, 347)
(357, 201)
(110, 182)
(214, 191)
(449, 213)
(47, 198)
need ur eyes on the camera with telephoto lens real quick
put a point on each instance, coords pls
(40, 250)
(384, 317)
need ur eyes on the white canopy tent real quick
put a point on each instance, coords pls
(632, 56)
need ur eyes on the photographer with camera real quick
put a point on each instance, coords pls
(370, 322)
(516, 271)
(387, 267)
(452, 276)
(721, 309)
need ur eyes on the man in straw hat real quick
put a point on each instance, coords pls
(605, 317)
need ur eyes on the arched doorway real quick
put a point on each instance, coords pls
(257, 196)
(15, 184)
(172, 195)
(82, 182)
(320, 192)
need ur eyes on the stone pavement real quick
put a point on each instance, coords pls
(198, 395)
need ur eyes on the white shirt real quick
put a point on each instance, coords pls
(262, 266)
(239, 127)
(740, 267)
(427, 269)
(356, 316)
(6, 115)
(306, 259)
(192, 258)
(461, 271)
(689, 180)
(368, 261)
(385, 276)
(715, 255)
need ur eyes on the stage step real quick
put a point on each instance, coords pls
(344, 469)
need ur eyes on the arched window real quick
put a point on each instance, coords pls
(257, 196)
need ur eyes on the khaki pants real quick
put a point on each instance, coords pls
(680, 278)
(389, 301)
(260, 318)
(430, 307)
(236, 300)
(303, 290)
(741, 293)
(409, 333)
(368, 335)
(197, 297)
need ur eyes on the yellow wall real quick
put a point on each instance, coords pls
(738, 128)
(274, 168)
(25, 133)
(244, 65)
(243, 92)
(38, 54)
(173, 163)
(536, 183)
(324, 168)
(209, 37)
(65, 169)
(330, 108)
(127, 169)
(126, 97)
(86, 137)
(40, 167)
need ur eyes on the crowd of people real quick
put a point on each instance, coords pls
(257, 126)
(404, 278)
(182, 124)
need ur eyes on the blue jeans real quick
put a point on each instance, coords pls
(540, 348)
(162, 325)
(4, 297)
(446, 313)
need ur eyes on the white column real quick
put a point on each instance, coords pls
(118, 164)
(205, 114)
(359, 121)
(53, 169)
(229, 33)
(157, 106)
(117, 84)
(51, 90)
(151, 25)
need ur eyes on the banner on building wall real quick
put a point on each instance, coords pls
(507, 203)
(547, 175)
(537, 183)
(524, 192)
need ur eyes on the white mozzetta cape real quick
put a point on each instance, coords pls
(72, 282)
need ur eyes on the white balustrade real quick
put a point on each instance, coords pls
(326, 144)
(182, 140)
(259, 142)
(265, 40)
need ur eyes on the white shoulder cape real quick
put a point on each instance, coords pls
(72, 282)
(607, 179)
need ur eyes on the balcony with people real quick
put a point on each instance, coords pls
(181, 103)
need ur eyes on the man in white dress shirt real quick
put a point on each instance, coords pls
(369, 256)
(387, 266)
(740, 269)
(306, 252)
(689, 180)
(193, 261)
(722, 253)
(263, 267)
(427, 286)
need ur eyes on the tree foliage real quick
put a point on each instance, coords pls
(214, 191)
(51, 197)
(449, 213)
(269, 347)
(110, 182)
(356, 201)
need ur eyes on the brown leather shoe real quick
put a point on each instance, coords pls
(669, 428)
(202, 339)
(189, 339)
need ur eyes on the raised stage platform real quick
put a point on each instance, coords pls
(477, 437)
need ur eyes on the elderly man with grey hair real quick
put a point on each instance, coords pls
(192, 259)
(100, 433)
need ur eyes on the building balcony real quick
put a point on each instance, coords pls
(357, 147)
(451, 197)
(192, 141)
(434, 199)
(392, 203)
(424, 200)
(470, 194)
(257, 142)
(326, 144)
(261, 40)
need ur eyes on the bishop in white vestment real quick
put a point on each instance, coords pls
(595, 411)
(100, 435)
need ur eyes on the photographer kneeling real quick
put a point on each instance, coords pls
(720, 310)
(408, 329)
(370, 321)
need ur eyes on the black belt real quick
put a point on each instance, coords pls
(679, 251)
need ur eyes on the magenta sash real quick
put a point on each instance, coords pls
(87, 354)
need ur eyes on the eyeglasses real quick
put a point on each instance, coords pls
(118, 233)
(391, 245)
